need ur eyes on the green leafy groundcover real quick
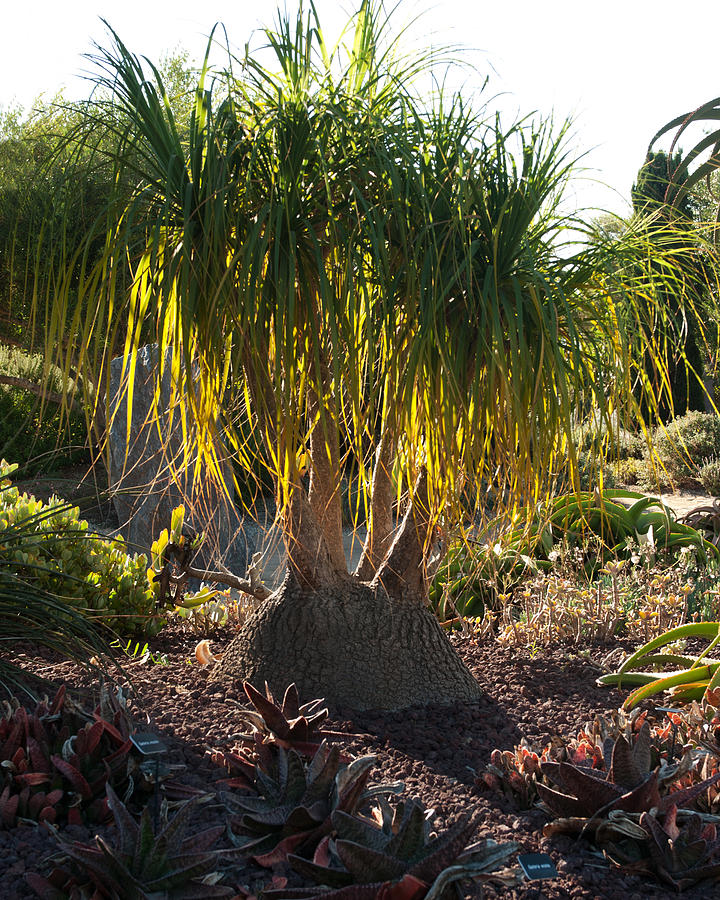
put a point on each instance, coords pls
(56, 552)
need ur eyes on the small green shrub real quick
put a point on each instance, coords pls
(686, 442)
(60, 555)
(709, 476)
(640, 473)
(599, 454)
(630, 446)
(620, 444)
(29, 366)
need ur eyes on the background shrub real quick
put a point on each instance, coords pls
(641, 474)
(39, 443)
(596, 440)
(618, 455)
(630, 471)
(629, 445)
(685, 443)
(589, 468)
(709, 476)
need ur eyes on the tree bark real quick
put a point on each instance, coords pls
(309, 560)
(312, 560)
(324, 495)
(402, 573)
(381, 525)
(351, 645)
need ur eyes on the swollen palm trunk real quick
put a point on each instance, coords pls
(351, 644)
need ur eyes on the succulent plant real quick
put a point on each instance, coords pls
(624, 782)
(629, 781)
(682, 854)
(691, 677)
(289, 725)
(517, 772)
(584, 792)
(514, 772)
(393, 856)
(679, 846)
(141, 864)
(292, 809)
(56, 760)
(55, 551)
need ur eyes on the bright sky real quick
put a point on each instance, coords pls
(621, 68)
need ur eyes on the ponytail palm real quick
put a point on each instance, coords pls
(375, 283)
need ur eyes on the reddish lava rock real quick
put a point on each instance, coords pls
(435, 750)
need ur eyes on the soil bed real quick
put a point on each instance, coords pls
(436, 751)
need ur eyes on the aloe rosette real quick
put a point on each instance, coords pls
(394, 856)
(616, 517)
(295, 800)
(139, 863)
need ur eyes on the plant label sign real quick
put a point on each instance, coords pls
(537, 865)
(147, 743)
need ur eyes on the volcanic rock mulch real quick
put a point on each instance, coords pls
(435, 751)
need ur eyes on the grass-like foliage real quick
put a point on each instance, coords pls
(368, 282)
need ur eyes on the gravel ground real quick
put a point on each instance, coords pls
(436, 751)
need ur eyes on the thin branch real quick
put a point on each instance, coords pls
(255, 588)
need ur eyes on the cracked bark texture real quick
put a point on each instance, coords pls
(308, 558)
(350, 644)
